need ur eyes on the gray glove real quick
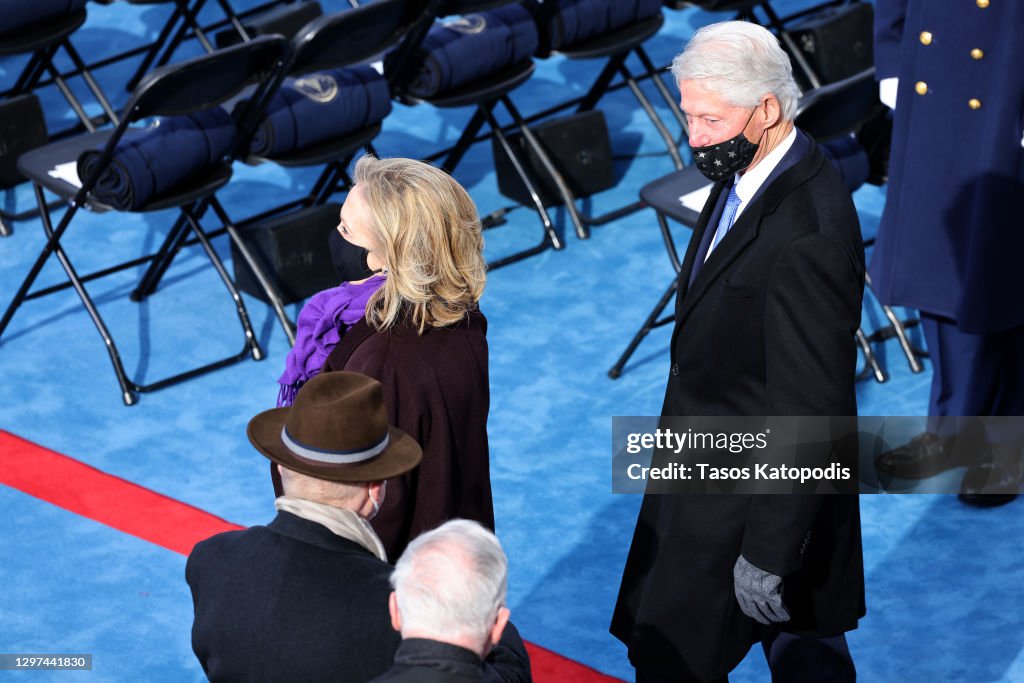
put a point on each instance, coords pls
(759, 593)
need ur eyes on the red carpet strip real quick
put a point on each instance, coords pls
(169, 523)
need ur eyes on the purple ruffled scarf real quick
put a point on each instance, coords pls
(325, 317)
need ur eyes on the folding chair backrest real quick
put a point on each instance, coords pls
(351, 36)
(204, 81)
(838, 108)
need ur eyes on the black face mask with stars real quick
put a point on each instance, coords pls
(725, 159)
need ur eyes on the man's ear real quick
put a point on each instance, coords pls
(396, 618)
(772, 110)
(499, 625)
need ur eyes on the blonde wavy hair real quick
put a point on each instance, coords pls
(432, 243)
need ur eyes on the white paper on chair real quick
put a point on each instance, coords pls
(68, 172)
(695, 201)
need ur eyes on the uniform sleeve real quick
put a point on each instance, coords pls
(812, 312)
(890, 16)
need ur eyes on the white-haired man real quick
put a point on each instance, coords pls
(449, 604)
(768, 303)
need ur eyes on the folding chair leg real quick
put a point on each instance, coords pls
(465, 140)
(243, 314)
(90, 81)
(273, 296)
(53, 247)
(191, 18)
(70, 97)
(162, 259)
(650, 323)
(601, 84)
(154, 49)
(44, 255)
(5, 230)
(550, 236)
(549, 166)
(670, 100)
(791, 47)
(900, 331)
(229, 12)
(871, 365)
(33, 71)
(670, 142)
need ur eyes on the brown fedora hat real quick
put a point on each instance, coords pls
(337, 429)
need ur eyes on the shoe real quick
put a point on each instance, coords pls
(996, 481)
(925, 455)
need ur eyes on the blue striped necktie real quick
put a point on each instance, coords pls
(732, 203)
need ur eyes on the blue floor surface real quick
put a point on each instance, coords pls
(945, 582)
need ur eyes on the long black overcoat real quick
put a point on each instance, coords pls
(766, 328)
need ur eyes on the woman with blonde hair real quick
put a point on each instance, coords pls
(423, 337)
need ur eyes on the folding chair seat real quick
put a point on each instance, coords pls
(190, 89)
(614, 43)
(42, 29)
(484, 93)
(826, 113)
(327, 43)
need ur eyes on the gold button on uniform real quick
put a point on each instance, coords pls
(921, 87)
(926, 38)
(977, 54)
(982, 3)
(974, 103)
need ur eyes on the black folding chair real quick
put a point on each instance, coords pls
(484, 95)
(616, 47)
(328, 42)
(747, 10)
(44, 41)
(824, 113)
(184, 88)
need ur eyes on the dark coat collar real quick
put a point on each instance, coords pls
(433, 654)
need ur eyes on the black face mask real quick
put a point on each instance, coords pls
(349, 260)
(725, 159)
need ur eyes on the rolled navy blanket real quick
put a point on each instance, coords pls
(574, 21)
(318, 107)
(149, 162)
(470, 48)
(19, 14)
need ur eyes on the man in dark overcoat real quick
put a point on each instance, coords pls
(950, 241)
(305, 598)
(768, 303)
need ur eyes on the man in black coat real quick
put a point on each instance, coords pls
(449, 604)
(768, 304)
(305, 597)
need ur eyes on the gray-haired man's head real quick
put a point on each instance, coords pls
(450, 585)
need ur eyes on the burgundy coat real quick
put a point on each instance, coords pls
(436, 389)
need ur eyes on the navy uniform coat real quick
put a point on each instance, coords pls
(950, 241)
(436, 390)
(290, 601)
(766, 328)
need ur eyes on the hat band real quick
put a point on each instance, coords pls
(333, 457)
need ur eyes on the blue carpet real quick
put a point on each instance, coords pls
(944, 596)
